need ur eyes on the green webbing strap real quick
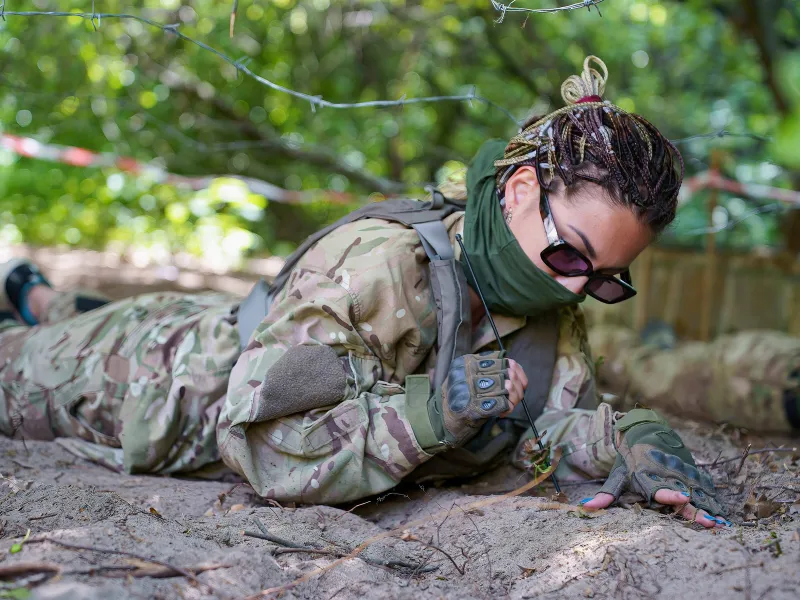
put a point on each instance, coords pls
(418, 391)
(638, 416)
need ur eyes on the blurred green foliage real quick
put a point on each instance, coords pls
(689, 66)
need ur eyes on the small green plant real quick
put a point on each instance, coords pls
(18, 546)
(773, 544)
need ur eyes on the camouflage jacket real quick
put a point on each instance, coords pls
(364, 291)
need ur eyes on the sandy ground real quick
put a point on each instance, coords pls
(435, 544)
(522, 547)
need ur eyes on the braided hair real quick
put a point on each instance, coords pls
(593, 141)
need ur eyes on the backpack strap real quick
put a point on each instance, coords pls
(534, 347)
(450, 292)
(448, 283)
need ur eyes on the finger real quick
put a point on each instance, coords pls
(600, 500)
(515, 393)
(691, 513)
(671, 497)
(518, 372)
(688, 511)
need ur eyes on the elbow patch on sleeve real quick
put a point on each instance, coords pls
(304, 378)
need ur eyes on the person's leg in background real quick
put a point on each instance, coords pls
(35, 302)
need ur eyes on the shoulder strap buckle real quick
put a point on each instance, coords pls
(437, 198)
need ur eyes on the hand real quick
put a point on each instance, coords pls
(654, 463)
(669, 498)
(479, 386)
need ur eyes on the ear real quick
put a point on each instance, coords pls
(522, 188)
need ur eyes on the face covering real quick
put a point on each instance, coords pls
(508, 279)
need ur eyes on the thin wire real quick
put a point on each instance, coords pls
(314, 101)
(769, 208)
(722, 133)
(507, 8)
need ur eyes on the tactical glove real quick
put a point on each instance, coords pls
(652, 457)
(473, 391)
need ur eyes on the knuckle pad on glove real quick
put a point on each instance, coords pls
(653, 470)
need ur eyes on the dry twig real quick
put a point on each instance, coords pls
(188, 574)
(364, 545)
(748, 453)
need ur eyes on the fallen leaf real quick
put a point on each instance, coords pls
(761, 507)
(527, 571)
(559, 497)
(237, 507)
(154, 512)
(582, 513)
(407, 536)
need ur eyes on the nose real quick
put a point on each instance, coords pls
(573, 284)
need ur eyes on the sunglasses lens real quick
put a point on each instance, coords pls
(607, 290)
(566, 261)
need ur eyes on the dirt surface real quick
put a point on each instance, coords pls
(520, 547)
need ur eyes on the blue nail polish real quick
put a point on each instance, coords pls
(685, 494)
(585, 500)
(708, 518)
(728, 523)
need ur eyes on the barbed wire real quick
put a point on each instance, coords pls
(722, 133)
(315, 101)
(507, 8)
(766, 209)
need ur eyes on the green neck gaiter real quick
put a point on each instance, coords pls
(508, 279)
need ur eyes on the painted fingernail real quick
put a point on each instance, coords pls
(720, 520)
(709, 518)
(585, 500)
(685, 494)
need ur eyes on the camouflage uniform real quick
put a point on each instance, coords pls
(140, 384)
(363, 290)
(749, 379)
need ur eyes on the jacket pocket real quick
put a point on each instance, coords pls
(331, 433)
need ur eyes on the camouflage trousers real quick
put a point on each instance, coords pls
(137, 384)
(749, 379)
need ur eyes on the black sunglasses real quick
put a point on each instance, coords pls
(566, 260)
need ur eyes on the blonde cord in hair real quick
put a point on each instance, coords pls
(589, 83)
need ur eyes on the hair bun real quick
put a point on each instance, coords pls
(589, 83)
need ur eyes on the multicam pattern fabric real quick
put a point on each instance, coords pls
(584, 435)
(137, 383)
(140, 385)
(742, 378)
(364, 291)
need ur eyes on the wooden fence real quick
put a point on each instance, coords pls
(704, 294)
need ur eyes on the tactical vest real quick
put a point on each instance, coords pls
(533, 347)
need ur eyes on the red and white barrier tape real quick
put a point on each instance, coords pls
(81, 157)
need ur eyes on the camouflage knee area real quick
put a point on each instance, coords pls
(755, 381)
(70, 304)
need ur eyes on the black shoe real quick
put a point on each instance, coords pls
(17, 277)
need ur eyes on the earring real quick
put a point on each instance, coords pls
(509, 214)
